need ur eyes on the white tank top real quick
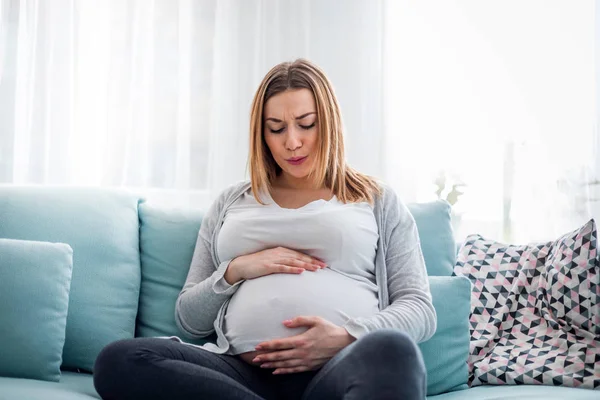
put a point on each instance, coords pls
(343, 235)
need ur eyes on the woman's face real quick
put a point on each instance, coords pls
(291, 131)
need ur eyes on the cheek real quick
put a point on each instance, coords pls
(314, 141)
(272, 145)
(314, 134)
(269, 142)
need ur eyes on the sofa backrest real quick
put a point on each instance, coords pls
(167, 241)
(437, 239)
(131, 259)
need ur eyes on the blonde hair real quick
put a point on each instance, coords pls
(330, 167)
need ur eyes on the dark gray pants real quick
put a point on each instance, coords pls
(385, 364)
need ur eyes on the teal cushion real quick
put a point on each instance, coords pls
(167, 242)
(72, 386)
(520, 392)
(437, 239)
(34, 300)
(446, 353)
(101, 226)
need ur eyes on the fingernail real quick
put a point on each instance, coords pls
(256, 359)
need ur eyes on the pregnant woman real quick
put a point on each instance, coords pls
(311, 274)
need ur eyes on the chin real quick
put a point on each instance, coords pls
(299, 176)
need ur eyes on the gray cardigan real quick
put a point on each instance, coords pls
(400, 273)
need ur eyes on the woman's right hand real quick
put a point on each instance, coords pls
(279, 260)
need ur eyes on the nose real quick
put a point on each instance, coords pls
(293, 140)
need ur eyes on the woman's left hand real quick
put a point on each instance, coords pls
(307, 351)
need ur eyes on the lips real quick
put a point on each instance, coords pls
(296, 160)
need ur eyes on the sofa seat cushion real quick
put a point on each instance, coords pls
(76, 386)
(519, 392)
(72, 386)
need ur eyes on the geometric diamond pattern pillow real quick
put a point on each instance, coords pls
(534, 310)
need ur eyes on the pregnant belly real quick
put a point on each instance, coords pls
(257, 310)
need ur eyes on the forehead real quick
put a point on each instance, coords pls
(294, 102)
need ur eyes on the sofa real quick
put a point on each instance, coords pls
(82, 267)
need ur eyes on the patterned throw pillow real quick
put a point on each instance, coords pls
(535, 315)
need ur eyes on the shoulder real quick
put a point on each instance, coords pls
(388, 197)
(233, 191)
(390, 205)
(387, 192)
(226, 197)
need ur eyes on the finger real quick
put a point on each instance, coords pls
(281, 344)
(320, 262)
(302, 321)
(292, 262)
(279, 356)
(289, 370)
(308, 259)
(284, 364)
(284, 269)
(300, 256)
(295, 363)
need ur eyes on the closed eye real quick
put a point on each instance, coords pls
(307, 127)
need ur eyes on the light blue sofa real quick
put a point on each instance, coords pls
(82, 267)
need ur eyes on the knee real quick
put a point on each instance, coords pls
(113, 363)
(392, 350)
(114, 355)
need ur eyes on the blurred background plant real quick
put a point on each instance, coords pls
(448, 189)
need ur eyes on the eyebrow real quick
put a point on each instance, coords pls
(300, 117)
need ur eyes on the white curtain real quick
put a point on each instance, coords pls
(500, 97)
(154, 95)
